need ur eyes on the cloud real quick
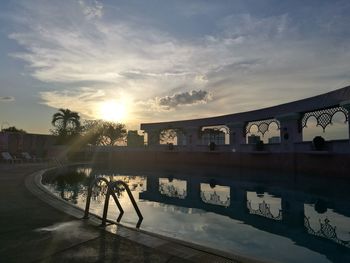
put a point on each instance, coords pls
(83, 100)
(248, 60)
(92, 10)
(179, 99)
(7, 98)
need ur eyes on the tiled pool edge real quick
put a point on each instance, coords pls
(169, 245)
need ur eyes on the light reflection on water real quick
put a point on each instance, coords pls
(244, 217)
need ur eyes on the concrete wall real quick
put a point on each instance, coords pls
(15, 142)
(310, 163)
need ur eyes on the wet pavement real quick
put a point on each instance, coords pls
(31, 230)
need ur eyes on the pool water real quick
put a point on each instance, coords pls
(272, 218)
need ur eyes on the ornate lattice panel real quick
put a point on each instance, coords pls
(263, 125)
(324, 117)
(326, 231)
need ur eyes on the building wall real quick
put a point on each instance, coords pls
(14, 142)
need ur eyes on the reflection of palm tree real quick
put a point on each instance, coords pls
(66, 120)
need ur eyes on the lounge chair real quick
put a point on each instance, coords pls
(9, 158)
(30, 158)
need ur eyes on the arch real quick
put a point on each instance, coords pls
(324, 117)
(262, 125)
(219, 134)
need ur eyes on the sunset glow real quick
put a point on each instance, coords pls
(112, 110)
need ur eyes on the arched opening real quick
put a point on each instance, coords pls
(330, 127)
(215, 134)
(172, 136)
(267, 131)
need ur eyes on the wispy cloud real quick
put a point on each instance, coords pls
(84, 100)
(92, 10)
(7, 98)
(249, 61)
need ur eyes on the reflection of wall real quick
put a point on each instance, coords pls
(291, 205)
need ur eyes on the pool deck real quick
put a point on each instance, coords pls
(33, 231)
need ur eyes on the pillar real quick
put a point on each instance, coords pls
(192, 136)
(153, 137)
(292, 211)
(346, 105)
(237, 134)
(290, 130)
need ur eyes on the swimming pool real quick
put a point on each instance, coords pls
(270, 217)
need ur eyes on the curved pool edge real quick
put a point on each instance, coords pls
(183, 249)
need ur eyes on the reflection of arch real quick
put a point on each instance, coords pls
(326, 231)
(264, 210)
(262, 125)
(324, 117)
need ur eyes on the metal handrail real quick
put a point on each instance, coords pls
(111, 188)
(88, 199)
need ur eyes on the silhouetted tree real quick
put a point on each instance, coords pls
(92, 131)
(113, 133)
(67, 125)
(13, 129)
(98, 132)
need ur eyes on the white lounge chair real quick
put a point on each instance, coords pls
(9, 158)
(30, 158)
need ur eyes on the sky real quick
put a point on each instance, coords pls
(159, 60)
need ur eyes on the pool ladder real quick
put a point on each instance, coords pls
(112, 186)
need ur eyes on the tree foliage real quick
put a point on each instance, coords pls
(13, 129)
(66, 125)
(98, 132)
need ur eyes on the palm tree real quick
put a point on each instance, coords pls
(66, 121)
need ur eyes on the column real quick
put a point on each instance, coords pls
(237, 135)
(292, 211)
(346, 105)
(192, 136)
(290, 130)
(153, 137)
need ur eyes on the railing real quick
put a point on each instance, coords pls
(111, 187)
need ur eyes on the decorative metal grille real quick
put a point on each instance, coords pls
(326, 231)
(324, 117)
(263, 125)
(215, 199)
(264, 210)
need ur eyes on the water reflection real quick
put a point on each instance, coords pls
(226, 213)
(215, 194)
(265, 205)
(173, 187)
(327, 224)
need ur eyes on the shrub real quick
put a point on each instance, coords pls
(212, 146)
(170, 146)
(319, 143)
(259, 146)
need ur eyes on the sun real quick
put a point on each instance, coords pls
(113, 110)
